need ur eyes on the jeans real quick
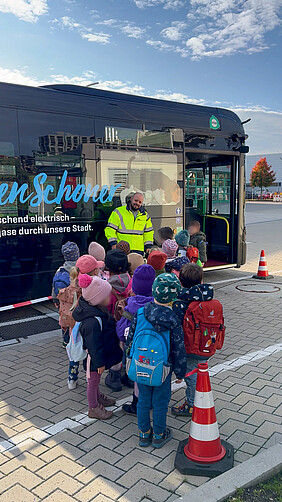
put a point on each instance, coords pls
(191, 364)
(93, 391)
(156, 398)
(73, 366)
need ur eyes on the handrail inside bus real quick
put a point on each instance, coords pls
(227, 224)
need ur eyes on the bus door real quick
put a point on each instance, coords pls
(211, 199)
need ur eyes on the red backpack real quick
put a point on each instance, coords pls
(193, 254)
(204, 328)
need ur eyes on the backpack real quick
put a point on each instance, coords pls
(75, 348)
(120, 312)
(148, 360)
(204, 328)
(68, 298)
(121, 302)
(61, 280)
(193, 254)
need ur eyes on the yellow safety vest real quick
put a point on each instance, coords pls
(122, 226)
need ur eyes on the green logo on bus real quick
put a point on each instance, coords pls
(214, 123)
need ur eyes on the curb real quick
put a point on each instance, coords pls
(254, 470)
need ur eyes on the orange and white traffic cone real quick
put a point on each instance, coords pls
(262, 268)
(204, 454)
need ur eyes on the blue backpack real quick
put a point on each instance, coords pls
(61, 280)
(149, 354)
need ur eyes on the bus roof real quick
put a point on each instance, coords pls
(101, 104)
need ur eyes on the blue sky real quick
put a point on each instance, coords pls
(216, 52)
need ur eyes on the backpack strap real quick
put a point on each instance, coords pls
(127, 315)
(99, 321)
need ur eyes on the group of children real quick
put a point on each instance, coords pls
(137, 320)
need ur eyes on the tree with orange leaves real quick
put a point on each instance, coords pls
(262, 175)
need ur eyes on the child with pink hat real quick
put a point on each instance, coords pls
(98, 330)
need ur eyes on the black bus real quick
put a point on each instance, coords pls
(62, 140)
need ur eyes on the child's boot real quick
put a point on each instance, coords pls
(131, 409)
(159, 440)
(106, 401)
(183, 410)
(145, 438)
(113, 380)
(100, 413)
(126, 381)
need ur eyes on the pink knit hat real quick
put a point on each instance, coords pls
(94, 289)
(87, 263)
(169, 247)
(96, 250)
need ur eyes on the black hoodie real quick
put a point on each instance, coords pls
(102, 345)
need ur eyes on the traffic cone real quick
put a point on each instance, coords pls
(262, 268)
(204, 454)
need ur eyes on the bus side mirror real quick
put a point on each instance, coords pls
(244, 149)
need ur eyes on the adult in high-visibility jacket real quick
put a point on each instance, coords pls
(131, 223)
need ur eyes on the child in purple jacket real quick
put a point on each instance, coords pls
(142, 283)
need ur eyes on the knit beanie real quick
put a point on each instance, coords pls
(70, 251)
(116, 261)
(157, 259)
(96, 250)
(87, 263)
(135, 260)
(169, 247)
(182, 238)
(94, 289)
(142, 280)
(166, 288)
(123, 246)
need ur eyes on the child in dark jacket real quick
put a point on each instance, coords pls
(121, 282)
(159, 314)
(98, 331)
(182, 239)
(198, 240)
(191, 278)
(142, 283)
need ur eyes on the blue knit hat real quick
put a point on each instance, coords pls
(182, 238)
(70, 251)
(166, 288)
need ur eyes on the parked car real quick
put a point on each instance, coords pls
(266, 195)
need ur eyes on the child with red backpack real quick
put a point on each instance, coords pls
(203, 326)
(118, 266)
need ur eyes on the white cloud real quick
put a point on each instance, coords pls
(177, 96)
(107, 22)
(226, 27)
(159, 44)
(175, 31)
(84, 32)
(132, 31)
(166, 4)
(26, 10)
(101, 38)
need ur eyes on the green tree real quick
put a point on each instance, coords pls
(262, 175)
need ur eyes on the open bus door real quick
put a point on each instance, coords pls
(211, 199)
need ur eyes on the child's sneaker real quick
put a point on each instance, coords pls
(159, 440)
(183, 410)
(145, 438)
(72, 384)
(131, 409)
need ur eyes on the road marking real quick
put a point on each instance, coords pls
(28, 319)
(46, 432)
(233, 280)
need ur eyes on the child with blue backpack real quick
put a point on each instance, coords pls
(142, 282)
(155, 348)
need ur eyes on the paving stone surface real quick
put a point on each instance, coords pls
(51, 451)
